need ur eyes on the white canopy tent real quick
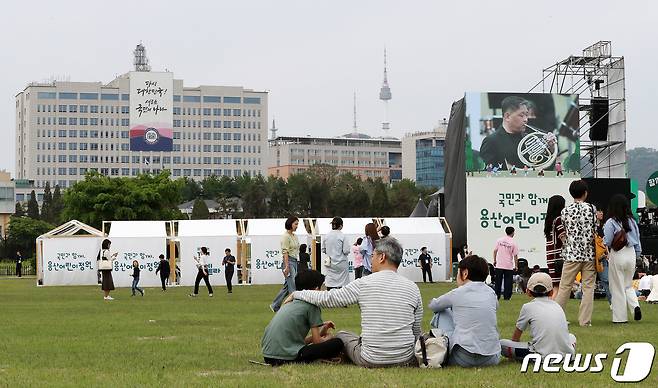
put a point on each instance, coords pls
(264, 236)
(415, 233)
(353, 228)
(216, 235)
(143, 241)
(66, 255)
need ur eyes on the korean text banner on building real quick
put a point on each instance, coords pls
(492, 204)
(151, 113)
(529, 134)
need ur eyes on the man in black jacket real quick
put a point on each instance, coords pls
(163, 268)
(425, 264)
(19, 264)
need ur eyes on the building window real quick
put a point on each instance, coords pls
(176, 110)
(46, 96)
(73, 108)
(206, 111)
(252, 100)
(227, 124)
(88, 96)
(110, 97)
(232, 100)
(73, 121)
(68, 96)
(216, 112)
(191, 98)
(176, 98)
(93, 121)
(212, 99)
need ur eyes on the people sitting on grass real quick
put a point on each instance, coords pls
(547, 322)
(467, 315)
(285, 339)
(391, 311)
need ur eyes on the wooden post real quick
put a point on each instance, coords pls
(39, 257)
(172, 251)
(172, 261)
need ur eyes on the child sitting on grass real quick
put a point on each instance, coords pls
(285, 339)
(548, 324)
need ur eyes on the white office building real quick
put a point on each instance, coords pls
(64, 129)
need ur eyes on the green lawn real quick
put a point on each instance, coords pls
(69, 336)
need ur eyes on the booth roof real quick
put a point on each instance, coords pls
(272, 227)
(70, 228)
(190, 228)
(350, 225)
(425, 225)
(138, 229)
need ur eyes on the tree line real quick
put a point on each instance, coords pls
(318, 192)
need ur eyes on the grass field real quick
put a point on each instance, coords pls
(69, 336)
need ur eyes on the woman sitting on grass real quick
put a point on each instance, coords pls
(285, 339)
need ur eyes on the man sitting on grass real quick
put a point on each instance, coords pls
(285, 339)
(391, 310)
(548, 324)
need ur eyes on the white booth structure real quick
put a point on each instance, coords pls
(143, 241)
(264, 237)
(66, 255)
(216, 235)
(415, 233)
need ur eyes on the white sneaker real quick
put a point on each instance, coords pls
(108, 298)
(210, 295)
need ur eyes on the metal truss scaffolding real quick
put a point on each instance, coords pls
(596, 74)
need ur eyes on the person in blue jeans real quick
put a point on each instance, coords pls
(289, 248)
(467, 315)
(135, 276)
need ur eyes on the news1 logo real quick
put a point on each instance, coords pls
(637, 367)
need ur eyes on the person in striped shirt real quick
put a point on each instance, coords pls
(391, 311)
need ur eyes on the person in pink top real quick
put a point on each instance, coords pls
(358, 258)
(505, 261)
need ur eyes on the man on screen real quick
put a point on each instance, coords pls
(500, 147)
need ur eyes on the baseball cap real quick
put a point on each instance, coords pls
(540, 279)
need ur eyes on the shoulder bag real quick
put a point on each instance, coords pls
(431, 349)
(619, 240)
(104, 263)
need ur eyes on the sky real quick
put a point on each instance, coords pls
(312, 56)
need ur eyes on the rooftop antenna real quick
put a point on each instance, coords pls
(273, 129)
(140, 61)
(385, 95)
(354, 124)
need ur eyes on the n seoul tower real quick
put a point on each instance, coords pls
(385, 95)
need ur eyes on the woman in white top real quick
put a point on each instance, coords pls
(202, 266)
(105, 262)
(336, 247)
